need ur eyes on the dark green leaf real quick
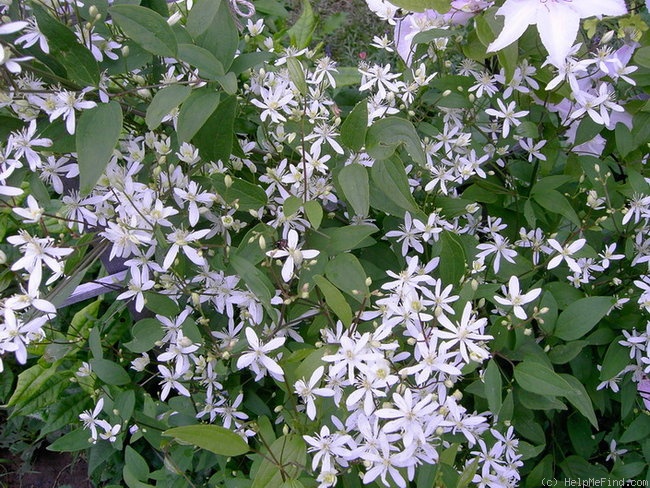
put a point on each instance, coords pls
(216, 137)
(146, 333)
(254, 279)
(195, 112)
(346, 238)
(335, 300)
(221, 37)
(136, 464)
(642, 56)
(493, 385)
(161, 304)
(579, 398)
(97, 134)
(533, 401)
(210, 68)
(164, 101)
(211, 438)
(537, 377)
(386, 135)
(355, 127)
(555, 202)
(353, 180)
(347, 274)
(582, 316)
(616, 359)
(301, 32)
(248, 196)
(249, 60)
(146, 27)
(314, 213)
(110, 372)
(201, 16)
(77, 60)
(637, 430)
(77, 440)
(290, 453)
(389, 177)
(452, 258)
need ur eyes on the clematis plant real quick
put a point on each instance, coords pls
(229, 259)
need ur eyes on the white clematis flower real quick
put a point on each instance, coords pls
(557, 22)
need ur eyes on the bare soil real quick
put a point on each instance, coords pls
(47, 470)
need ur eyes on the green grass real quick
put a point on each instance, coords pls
(346, 29)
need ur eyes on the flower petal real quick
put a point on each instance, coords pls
(558, 27)
(519, 14)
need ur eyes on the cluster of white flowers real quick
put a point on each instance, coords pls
(397, 383)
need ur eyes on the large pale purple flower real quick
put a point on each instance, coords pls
(557, 22)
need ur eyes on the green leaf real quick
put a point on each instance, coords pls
(291, 205)
(579, 398)
(354, 182)
(441, 6)
(355, 127)
(347, 274)
(616, 359)
(537, 377)
(216, 138)
(624, 139)
(582, 316)
(195, 112)
(487, 28)
(136, 464)
(65, 412)
(555, 202)
(533, 401)
(201, 16)
(209, 67)
(146, 28)
(342, 238)
(221, 38)
(255, 280)
(97, 134)
(493, 385)
(78, 61)
(77, 440)
(452, 259)
(290, 453)
(386, 135)
(109, 372)
(164, 101)
(637, 430)
(145, 333)
(161, 304)
(30, 384)
(301, 32)
(314, 213)
(247, 195)
(297, 75)
(335, 300)
(249, 60)
(389, 177)
(563, 353)
(587, 130)
(211, 438)
(642, 56)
